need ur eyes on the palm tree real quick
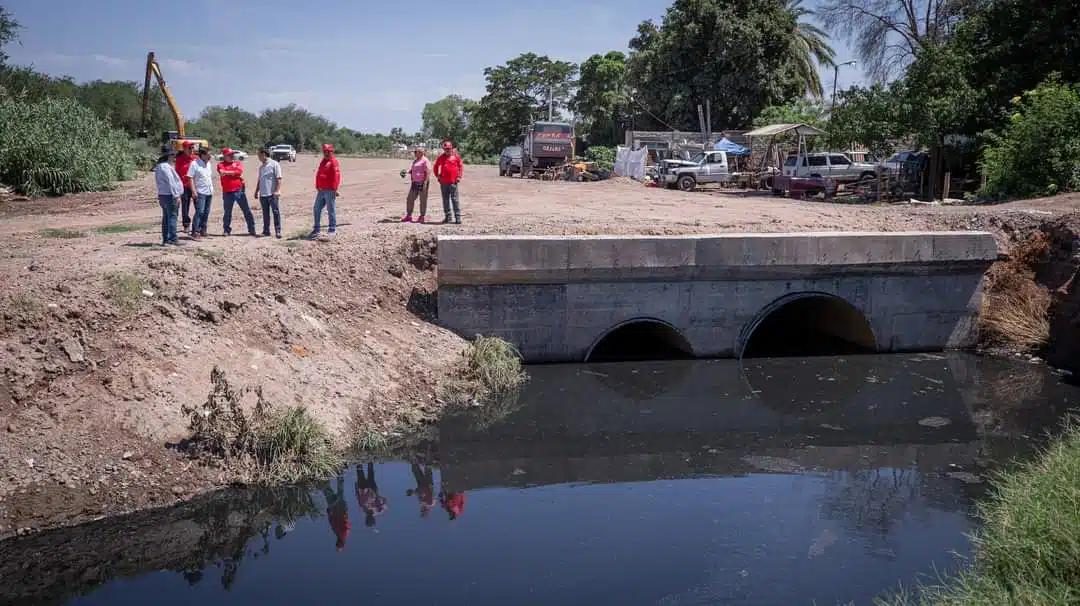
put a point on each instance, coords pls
(809, 43)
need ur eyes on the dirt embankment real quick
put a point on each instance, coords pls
(105, 336)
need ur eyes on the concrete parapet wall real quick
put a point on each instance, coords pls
(556, 296)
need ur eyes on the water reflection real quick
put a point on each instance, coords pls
(780, 482)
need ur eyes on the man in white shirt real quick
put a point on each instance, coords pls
(202, 181)
(268, 191)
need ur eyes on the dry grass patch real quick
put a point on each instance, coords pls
(63, 234)
(124, 290)
(1015, 309)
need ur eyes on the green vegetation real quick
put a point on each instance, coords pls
(1028, 551)
(62, 234)
(57, 146)
(604, 156)
(490, 368)
(211, 254)
(124, 290)
(296, 445)
(120, 228)
(271, 445)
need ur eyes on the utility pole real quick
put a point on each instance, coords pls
(551, 102)
(836, 75)
(708, 120)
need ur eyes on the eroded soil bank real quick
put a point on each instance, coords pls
(105, 336)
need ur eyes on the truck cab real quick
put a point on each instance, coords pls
(702, 167)
(546, 145)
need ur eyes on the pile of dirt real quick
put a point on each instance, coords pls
(100, 360)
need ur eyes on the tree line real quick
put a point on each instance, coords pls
(996, 78)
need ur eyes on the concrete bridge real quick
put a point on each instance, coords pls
(578, 298)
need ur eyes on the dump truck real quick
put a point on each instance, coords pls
(546, 145)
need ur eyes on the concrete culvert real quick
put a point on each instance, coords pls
(808, 325)
(639, 340)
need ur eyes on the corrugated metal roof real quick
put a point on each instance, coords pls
(776, 129)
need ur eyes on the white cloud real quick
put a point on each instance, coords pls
(111, 61)
(179, 65)
(436, 55)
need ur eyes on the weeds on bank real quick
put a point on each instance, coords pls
(120, 228)
(1015, 309)
(124, 290)
(1028, 551)
(286, 444)
(63, 234)
(213, 255)
(489, 369)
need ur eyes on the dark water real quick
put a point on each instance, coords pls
(793, 481)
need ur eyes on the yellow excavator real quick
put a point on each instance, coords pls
(171, 139)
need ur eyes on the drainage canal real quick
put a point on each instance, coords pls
(808, 324)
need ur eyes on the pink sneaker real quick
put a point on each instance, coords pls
(406, 219)
(421, 219)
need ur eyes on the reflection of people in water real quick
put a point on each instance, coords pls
(425, 488)
(367, 494)
(453, 503)
(338, 512)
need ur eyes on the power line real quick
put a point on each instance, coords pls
(654, 116)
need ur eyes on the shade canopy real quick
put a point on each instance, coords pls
(732, 149)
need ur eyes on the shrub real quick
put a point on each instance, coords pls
(1038, 152)
(57, 146)
(1015, 310)
(480, 159)
(490, 369)
(287, 444)
(603, 156)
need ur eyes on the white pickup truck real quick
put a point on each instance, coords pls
(702, 167)
(829, 165)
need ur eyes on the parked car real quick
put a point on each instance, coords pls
(283, 152)
(510, 161)
(239, 155)
(897, 160)
(701, 168)
(830, 165)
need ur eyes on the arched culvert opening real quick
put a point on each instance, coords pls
(639, 340)
(808, 324)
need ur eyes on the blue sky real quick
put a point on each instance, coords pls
(369, 65)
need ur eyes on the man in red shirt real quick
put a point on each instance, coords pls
(183, 161)
(327, 182)
(233, 191)
(448, 169)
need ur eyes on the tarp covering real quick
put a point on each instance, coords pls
(630, 163)
(776, 129)
(732, 149)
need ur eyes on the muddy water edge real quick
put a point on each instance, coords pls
(784, 481)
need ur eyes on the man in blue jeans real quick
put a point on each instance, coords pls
(233, 191)
(268, 191)
(202, 182)
(327, 182)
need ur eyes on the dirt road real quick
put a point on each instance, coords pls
(106, 334)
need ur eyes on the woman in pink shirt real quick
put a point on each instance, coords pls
(419, 177)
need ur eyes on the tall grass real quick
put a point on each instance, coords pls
(1028, 551)
(297, 445)
(57, 146)
(489, 369)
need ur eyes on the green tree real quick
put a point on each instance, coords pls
(518, 92)
(230, 127)
(1038, 152)
(868, 116)
(809, 48)
(799, 111)
(602, 99)
(447, 118)
(735, 54)
(9, 32)
(1012, 46)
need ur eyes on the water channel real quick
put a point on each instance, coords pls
(789, 481)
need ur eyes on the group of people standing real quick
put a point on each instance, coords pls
(185, 190)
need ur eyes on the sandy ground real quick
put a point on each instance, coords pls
(93, 387)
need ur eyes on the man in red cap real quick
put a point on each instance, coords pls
(327, 181)
(448, 169)
(183, 162)
(233, 191)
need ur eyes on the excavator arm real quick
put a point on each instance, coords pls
(153, 71)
